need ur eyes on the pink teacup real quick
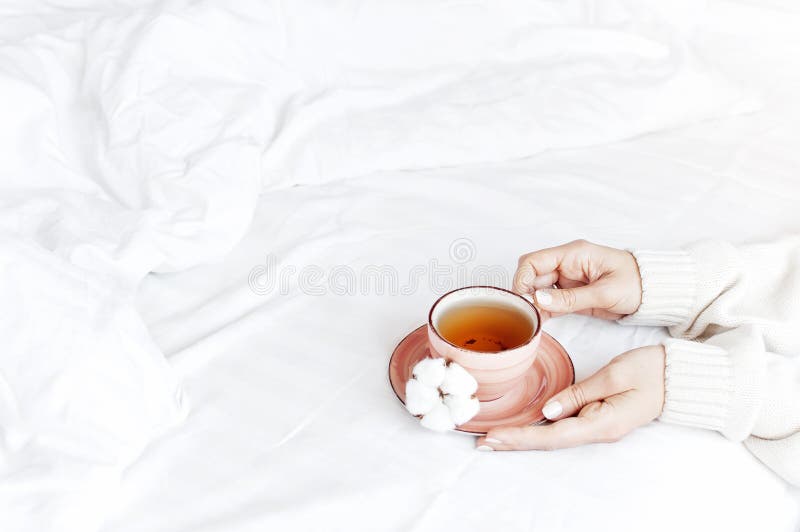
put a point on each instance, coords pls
(497, 372)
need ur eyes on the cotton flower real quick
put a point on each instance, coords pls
(431, 379)
(438, 419)
(430, 371)
(458, 381)
(462, 407)
(420, 398)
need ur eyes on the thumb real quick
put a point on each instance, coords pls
(566, 300)
(606, 382)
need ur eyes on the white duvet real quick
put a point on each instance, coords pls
(154, 155)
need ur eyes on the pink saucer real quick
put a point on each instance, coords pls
(551, 372)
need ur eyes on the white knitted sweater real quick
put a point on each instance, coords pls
(733, 364)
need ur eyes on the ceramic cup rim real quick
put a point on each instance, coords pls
(501, 354)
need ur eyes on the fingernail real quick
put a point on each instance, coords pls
(491, 440)
(552, 410)
(484, 448)
(543, 297)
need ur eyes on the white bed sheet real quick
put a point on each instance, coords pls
(291, 422)
(294, 425)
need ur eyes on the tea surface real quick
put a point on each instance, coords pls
(488, 328)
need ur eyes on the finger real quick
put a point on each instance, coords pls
(599, 422)
(566, 282)
(561, 282)
(543, 262)
(526, 280)
(568, 432)
(572, 299)
(600, 313)
(608, 381)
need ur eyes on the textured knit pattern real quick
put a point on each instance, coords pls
(733, 364)
(700, 384)
(668, 288)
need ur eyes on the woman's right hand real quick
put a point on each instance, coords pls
(581, 277)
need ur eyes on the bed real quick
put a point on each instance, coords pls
(219, 220)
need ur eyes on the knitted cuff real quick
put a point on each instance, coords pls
(669, 283)
(709, 387)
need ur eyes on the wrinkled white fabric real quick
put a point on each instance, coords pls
(136, 137)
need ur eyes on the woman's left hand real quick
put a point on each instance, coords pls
(624, 395)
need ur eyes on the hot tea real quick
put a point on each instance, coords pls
(485, 327)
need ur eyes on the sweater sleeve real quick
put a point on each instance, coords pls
(713, 286)
(733, 364)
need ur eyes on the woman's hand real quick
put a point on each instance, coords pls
(590, 279)
(625, 394)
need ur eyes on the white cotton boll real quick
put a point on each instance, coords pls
(462, 407)
(458, 381)
(430, 371)
(420, 399)
(438, 419)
